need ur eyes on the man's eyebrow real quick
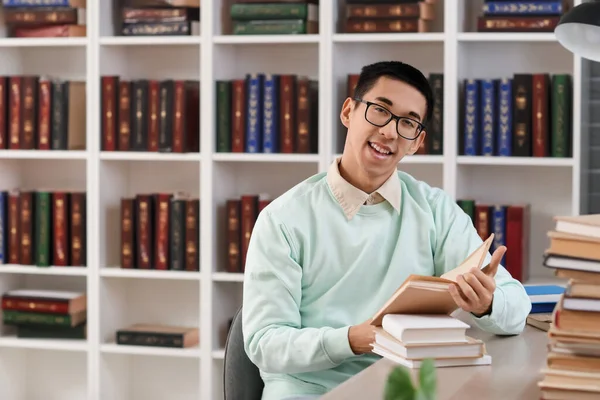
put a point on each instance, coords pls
(391, 103)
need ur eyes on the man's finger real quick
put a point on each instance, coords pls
(474, 280)
(467, 290)
(485, 280)
(458, 297)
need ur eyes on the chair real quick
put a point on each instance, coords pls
(241, 378)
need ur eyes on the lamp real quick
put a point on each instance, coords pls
(579, 31)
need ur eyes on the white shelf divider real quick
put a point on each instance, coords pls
(219, 293)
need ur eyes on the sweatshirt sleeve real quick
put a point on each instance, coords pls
(274, 338)
(456, 238)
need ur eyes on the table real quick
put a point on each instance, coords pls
(513, 374)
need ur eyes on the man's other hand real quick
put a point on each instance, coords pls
(474, 291)
(361, 336)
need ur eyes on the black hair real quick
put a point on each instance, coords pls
(370, 74)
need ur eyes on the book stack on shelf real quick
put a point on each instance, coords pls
(158, 335)
(43, 228)
(42, 113)
(160, 231)
(273, 17)
(45, 314)
(510, 224)
(520, 15)
(241, 215)
(408, 339)
(49, 18)
(528, 115)
(267, 113)
(573, 360)
(150, 115)
(159, 18)
(434, 141)
(383, 16)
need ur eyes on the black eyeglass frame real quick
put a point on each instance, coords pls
(393, 116)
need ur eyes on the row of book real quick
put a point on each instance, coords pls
(434, 140)
(527, 115)
(573, 359)
(59, 18)
(267, 113)
(42, 113)
(150, 115)
(272, 17)
(510, 224)
(241, 215)
(520, 15)
(160, 231)
(385, 16)
(163, 18)
(45, 314)
(43, 228)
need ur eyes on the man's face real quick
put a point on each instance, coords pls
(365, 141)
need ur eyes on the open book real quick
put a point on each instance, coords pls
(429, 294)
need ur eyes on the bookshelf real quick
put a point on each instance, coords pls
(99, 369)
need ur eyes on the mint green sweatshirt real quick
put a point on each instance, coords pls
(311, 274)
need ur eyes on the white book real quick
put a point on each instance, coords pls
(428, 328)
(486, 359)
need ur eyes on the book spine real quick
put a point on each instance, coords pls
(505, 124)
(472, 133)
(270, 114)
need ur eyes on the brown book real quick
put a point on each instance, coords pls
(482, 220)
(541, 115)
(77, 229)
(14, 227)
(60, 229)
(109, 117)
(249, 212)
(3, 112)
(162, 229)
(15, 115)
(517, 24)
(76, 124)
(234, 235)
(144, 231)
(238, 116)
(158, 335)
(44, 16)
(153, 115)
(52, 31)
(192, 112)
(192, 235)
(128, 230)
(421, 10)
(26, 229)
(288, 97)
(572, 245)
(179, 117)
(124, 115)
(429, 294)
(44, 114)
(383, 25)
(29, 95)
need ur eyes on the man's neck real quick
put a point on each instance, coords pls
(357, 178)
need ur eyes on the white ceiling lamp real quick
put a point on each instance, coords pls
(579, 31)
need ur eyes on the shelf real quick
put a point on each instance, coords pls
(227, 277)
(506, 37)
(45, 344)
(34, 270)
(265, 39)
(150, 40)
(282, 158)
(43, 42)
(515, 161)
(218, 354)
(44, 154)
(113, 348)
(148, 156)
(115, 272)
(387, 37)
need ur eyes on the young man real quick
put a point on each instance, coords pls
(328, 253)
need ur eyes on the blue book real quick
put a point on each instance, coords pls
(471, 129)
(254, 117)
(488, 117)
(37, 3)
(271, 114)
(544, 297)
(504, 121)
(524, 8)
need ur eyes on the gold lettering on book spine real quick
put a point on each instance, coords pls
(44, 117)
(60, 228)
(163, 214)
(520, 103)
(15, 113)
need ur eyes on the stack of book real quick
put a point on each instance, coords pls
(56, 18)
(274, 17)
(383, 16)
(159, 18)
(543, 301)
(520, 16)
(158, 335)
(408, 339)
(45, 314)
(573, 362)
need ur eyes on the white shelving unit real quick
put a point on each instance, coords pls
(97, 368)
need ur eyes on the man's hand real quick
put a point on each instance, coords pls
(474, 291)
(361, 336)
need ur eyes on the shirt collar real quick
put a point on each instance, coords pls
(352, 198)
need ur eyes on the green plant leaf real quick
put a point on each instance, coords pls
(427, 379)
(399, 385)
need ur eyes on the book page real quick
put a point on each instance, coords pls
(475, 259)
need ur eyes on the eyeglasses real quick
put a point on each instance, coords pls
(378, 115)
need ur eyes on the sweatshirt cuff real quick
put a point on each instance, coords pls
(498, 306)
(336, 345)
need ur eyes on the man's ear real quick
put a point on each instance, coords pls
(417, 143)
(346, 110)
